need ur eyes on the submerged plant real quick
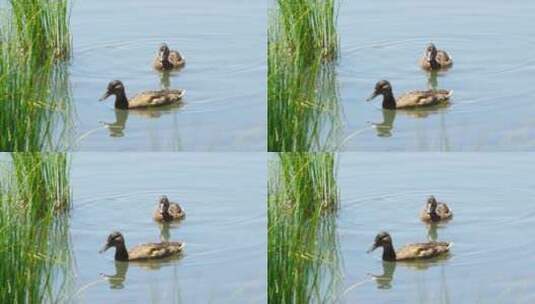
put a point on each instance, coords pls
(304, 262)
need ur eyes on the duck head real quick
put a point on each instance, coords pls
(431, 205)
(382, 239)
(114, 239)
(164, 204)
(163, 52)
(382, 87)
(115, 87)
(430, 52)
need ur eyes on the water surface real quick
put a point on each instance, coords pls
(224, 260)
(491, 43)
(224, 78)
(494, 212)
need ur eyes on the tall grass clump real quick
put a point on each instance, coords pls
(303, 108)
(304, 262)
(42, 28)
(34, 243)
(35, 98)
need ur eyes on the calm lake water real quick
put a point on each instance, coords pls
(225, 227)
(494, 98)
(224, 43)
(493, 210)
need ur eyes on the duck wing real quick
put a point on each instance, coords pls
(423, 98)
(444, 211)
(155, 250)
(176, 211)
(155, 98)
(444, 59)
(176, 59)
(422, 250)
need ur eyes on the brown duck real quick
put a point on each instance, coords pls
(417, 251)
(147, 251)
(435, 211)
(168, 211)
(147, 99)
(167, 60)
(409, 100)
(434, 59)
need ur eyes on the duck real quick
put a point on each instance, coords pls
(434, 59)
(409, 100)
(410, 252)
(435, 211)
(167, 59)
(168, 211)
(148, 251)
(147, 99)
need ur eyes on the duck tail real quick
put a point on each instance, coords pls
(450, 245)
(182, 93)
(450, 93)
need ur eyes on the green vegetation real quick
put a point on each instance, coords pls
(34, 242)
(303, 110)
(35, 99)
(304, 263)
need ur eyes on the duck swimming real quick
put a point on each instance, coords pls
(167, 60)
(147, 99)
(417, 251)
(168, 211)
(413, 99)
(147, 251)
(434, 59)
(435, 211)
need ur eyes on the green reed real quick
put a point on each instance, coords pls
(303, 108)
(304, 263)
(42, 28)
(35, 98)
(34, 241)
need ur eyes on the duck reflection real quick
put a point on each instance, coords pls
(384, 129)
(165, 81)
(384, 281)
(432, 234)
(165, 230)
(117, 128)
(165, 234)
(432, 80)
(116, 281)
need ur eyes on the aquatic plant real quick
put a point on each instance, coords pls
(34, 242)
(42, 28)
(304, 262)
(303, 108)
(308, 28)
(35, 97)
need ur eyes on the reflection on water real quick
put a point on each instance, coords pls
(384, 128)
(116, 128)
(432, 81)
(384, 281)
(165, 81)
(116, 281)
(432, 234)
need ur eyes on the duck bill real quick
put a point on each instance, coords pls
(372, 248)
(104, 248)
(105, 96)
(374, 94)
